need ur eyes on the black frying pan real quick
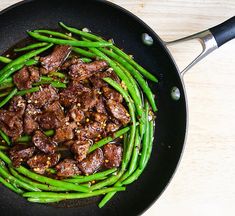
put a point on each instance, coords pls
(111, 21)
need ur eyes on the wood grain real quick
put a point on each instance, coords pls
(204, 181)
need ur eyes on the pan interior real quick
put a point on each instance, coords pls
(109, 21)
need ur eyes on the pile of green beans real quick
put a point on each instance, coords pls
(138, 135)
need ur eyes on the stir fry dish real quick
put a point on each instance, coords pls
(76, 117)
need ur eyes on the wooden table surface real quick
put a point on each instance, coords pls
(204, 182)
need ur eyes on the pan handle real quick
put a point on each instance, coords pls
(210, 40)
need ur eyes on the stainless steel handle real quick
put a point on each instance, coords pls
(207, 41)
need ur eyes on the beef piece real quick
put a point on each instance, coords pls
(100, 106)
(67, 168)
(97, 79)
(40, 162)
(112, 127)
(112, 155)
(118, 111)
(45, 96)
(11, 123)
(53, 61)
(112, 94)
(99, 117)
(30, 117)
(21, 153)
(69, 62)
(92, 163)
(70, 95)
(50, 120)
(17, 105)
(80, 149)
(52, 117)
(90, 131)
(43, 143)
(64, 133)
(89, 99)
(24, 78)
(81, 71)
(76, 114)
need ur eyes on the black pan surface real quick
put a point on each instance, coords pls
(109, 21)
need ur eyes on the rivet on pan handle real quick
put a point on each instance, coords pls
(210, 40)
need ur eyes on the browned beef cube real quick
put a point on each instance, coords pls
(70, 95)
(43, 143)
(40, 162)
(92, 163)
(97, 79)
(99, 117)
(81, 71)
(45, 96)
(69, 62)
(67, 168)
(11, 123)
(53, 61)
(90, 131)
(118, 111)
(112, 155)
(64, 133)
(112, 94)
(30, 123)
(76, 114)
(17, 105)
(52, 117)
(112, 127)
(89, 99)
(24, 78)
(21, 153)
(80, 149)
(100, 106)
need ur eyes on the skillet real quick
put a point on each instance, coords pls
(111, 21)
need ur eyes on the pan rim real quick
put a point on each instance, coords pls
(137, 19)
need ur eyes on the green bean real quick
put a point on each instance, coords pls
(54, 33)
(44, 200)
(27, 138)
(139, 171)
(108, 139)
(43, 179)
(55, 84)
(96, 176)
(26, 91)
(116, 49)
(79, 32)
(86, 60)
(5, 60)
(30, 47)
(44, 187)
(6, 85)
(10, 186)
(5, 137)
(145, 142)
(72, 195)
(4, 147)
(3, 94)
(57, 74)
(143, 71)
(8, 97)
(68, 42)
(16, 181)
(83, 52)
(8, 80)
(7, 70)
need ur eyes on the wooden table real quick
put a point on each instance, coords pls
(204, 182)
